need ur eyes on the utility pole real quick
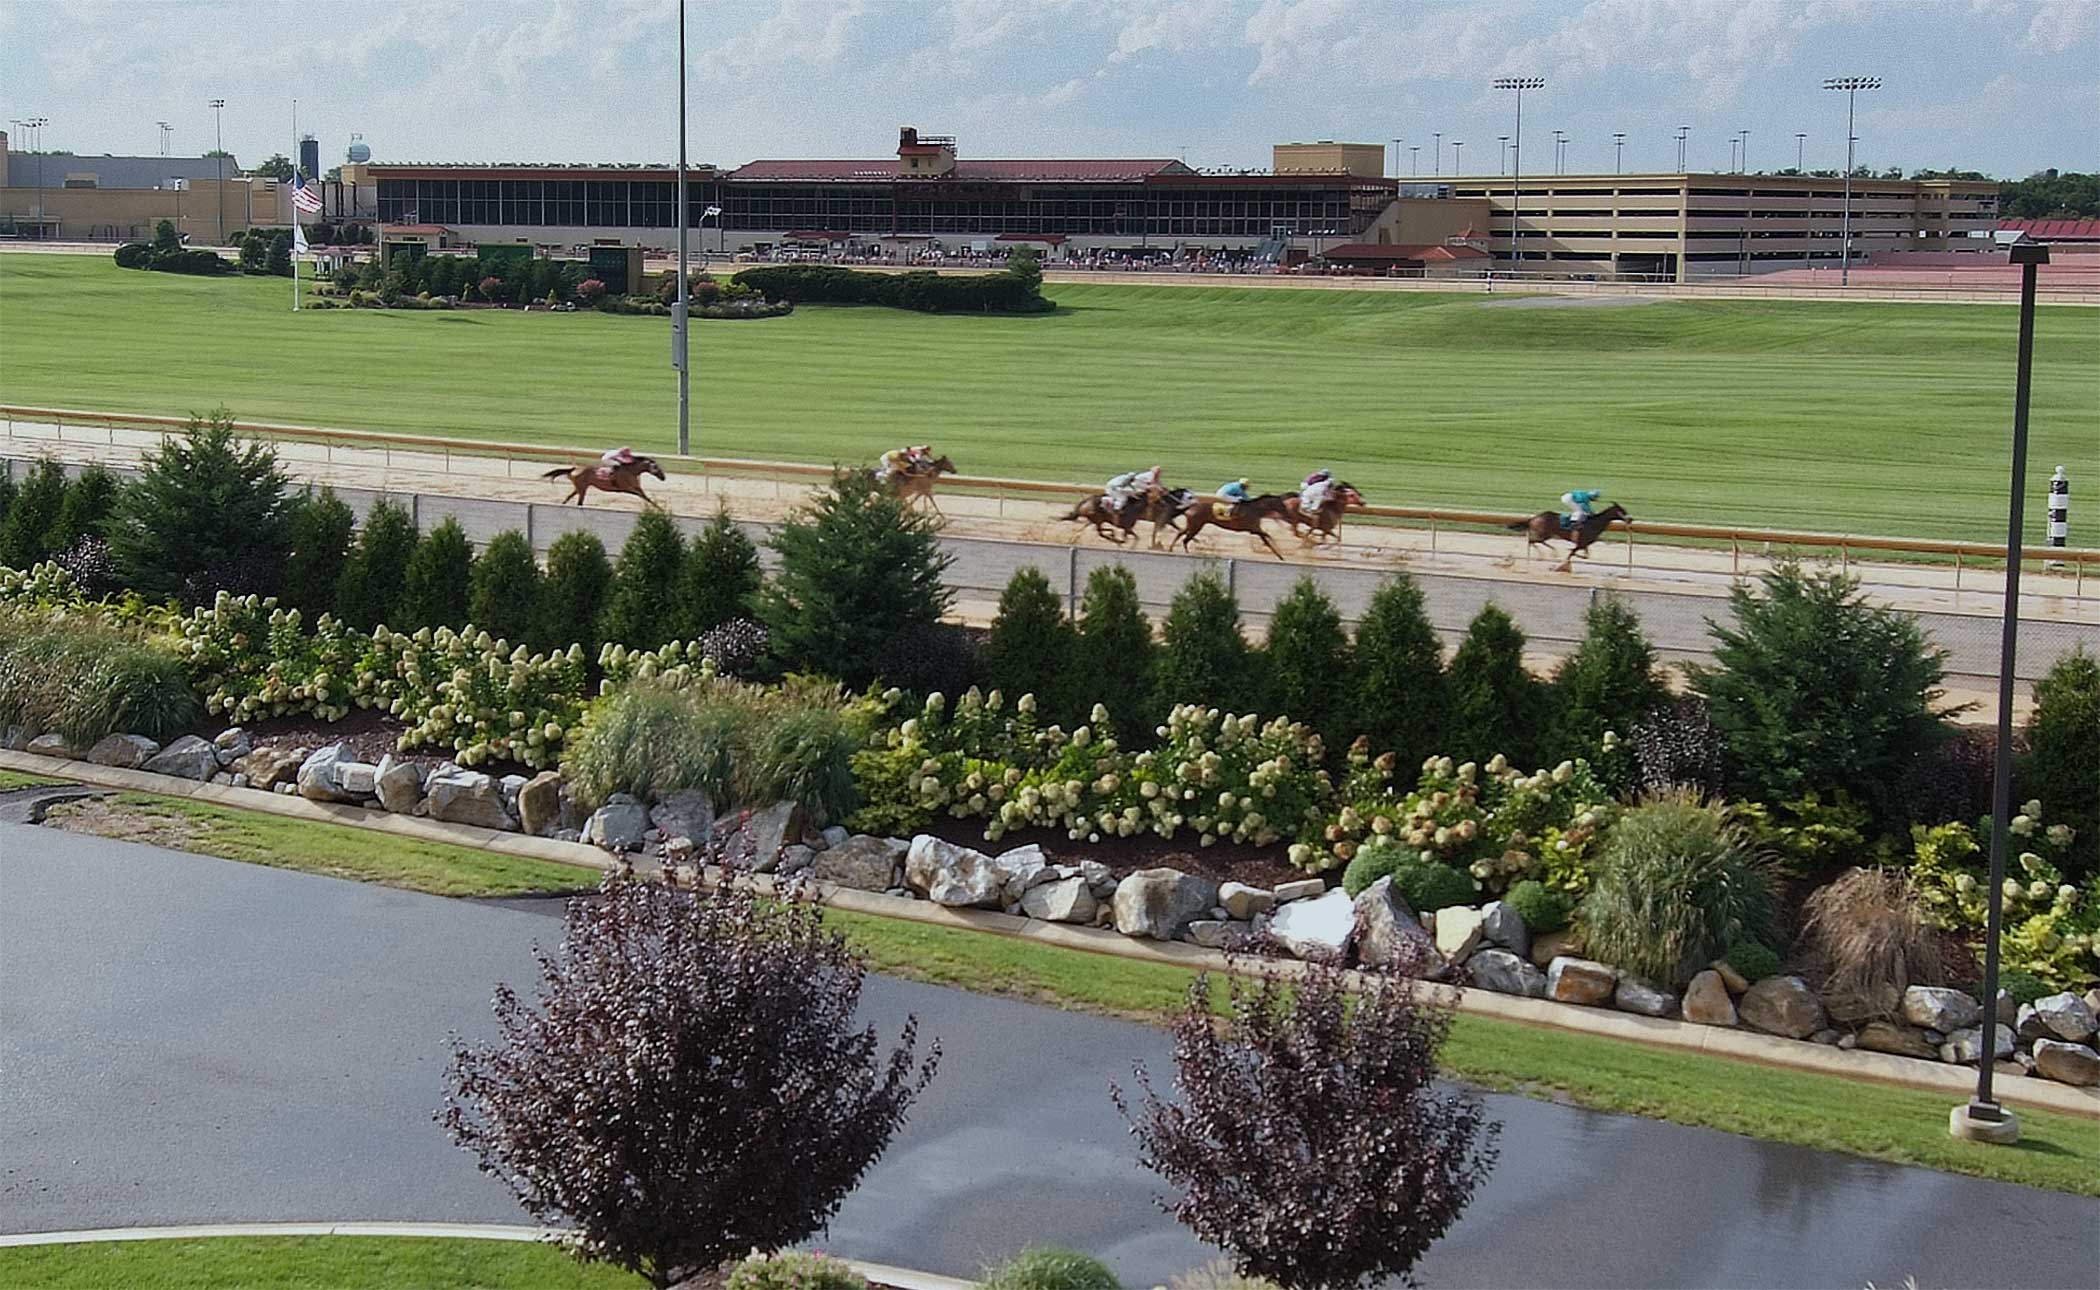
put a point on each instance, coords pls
(1851, 85)
(218, 139)
(681, 319)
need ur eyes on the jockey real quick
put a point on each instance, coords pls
(1314, 495)
(620, 456)
(1130, 486)
(1233, 494)
(903, 461)
(1580, 503)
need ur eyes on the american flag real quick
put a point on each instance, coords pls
(304, 196)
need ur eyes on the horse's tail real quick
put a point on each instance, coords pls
(1519, 525)
(1074, 513)
(557, 473)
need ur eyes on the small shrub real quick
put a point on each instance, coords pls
(1428, 885)
(793, 1269)
(369, 590)
(84, 679)
(578, 575)
(438, 588)
(2062, 765)
(1031, 641)
(322, 527)
(134, 255)
(505, 595)
(1113, 652)
(1307, 658)
(88, 563)
(196, 260)
(205, 501)
(1870, 936)
(1401, 700)
(89, 500)
(590, 293)
(1675, 886)
(1808, 837)
(639, 605)
(1046, 1267)
(2023, 987)
(737, 648)
(1543, 909)
(1497, 705)
(720, 581)
(25, 529)
(1752, 960)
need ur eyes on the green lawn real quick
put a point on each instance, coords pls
(304, 1263)
(10, 780)
(2059, 1152)
(1884, 418)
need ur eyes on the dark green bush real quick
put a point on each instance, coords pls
(197, 261)
(206, 501)
(89, 500)
(505, 601)
(1045, 1267)
(1752, 960)
(134, 255)
(858, 569)
(932, 658)
(322, 526)
(2062, 764)
(1030, 645)
(578, 574)
(925, 291)
(1307, 657)
(639, 606)
(1203, 657)
(83, 680)
(720, 580)
(1402, 701)
(1497, 705)
(1675, 887)
(806, 757)
(1111, 661)
(1610, 683)
(1542, 908)
(438, 588)
(369, 591)
(1426, 885)
(2024, 987)
(25, 530)
(1815, 689)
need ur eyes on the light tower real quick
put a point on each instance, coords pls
(1516, 179)
(1851, 85)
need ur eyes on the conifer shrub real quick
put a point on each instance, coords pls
(207, 512)
(1030, 646)
(2062, 765)
(578, 576)
(504, 599)
(640, 604)
(1112, 657)
(1401, 699)
(369, 591)
(1610, 683)
(322, 530)
(1307, 658)
(89, 500)
(25, 530)
(438, 586)
(720, 580)
(1203, 657)
(1497, 706)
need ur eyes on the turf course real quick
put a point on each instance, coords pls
(1881, 418)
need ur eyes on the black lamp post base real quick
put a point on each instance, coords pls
(1984, 1122)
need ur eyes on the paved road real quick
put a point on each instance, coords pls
(191, 1040)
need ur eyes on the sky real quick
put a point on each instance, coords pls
(2002, 86)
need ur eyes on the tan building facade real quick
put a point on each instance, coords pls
(59, 197)
(1363, 160)
(1677, 227)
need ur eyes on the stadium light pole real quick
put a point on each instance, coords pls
(1684, 134)
(1502, 166)
(1456, 144)
(36, 125)
(1436, 160)
(1516, 174)
(1851, 85)
(1746, 150)
(681, 314)
(1618, 152)
(1414, 160)
(1800, 152)
(1396, 158)
(1559, 138)
(1983, 1119)
(165, 130)
(218, 147)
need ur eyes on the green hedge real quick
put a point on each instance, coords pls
(923, 290)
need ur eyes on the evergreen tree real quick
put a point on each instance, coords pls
(858, 568)
(1402, 700)
(1203, 657)
(439, 584)
(2062, 765)
(1609, 683)
(506, 593)
(641, 607)
(720, 580)
(31, 515)
(369, 592)
(1308, 659)
(89, 500)
(322, 527)
(578, 575)
(166, 240)
(8, 491)
(1112, 659)
(206, 504)
(1031, 642)
(1497, 706)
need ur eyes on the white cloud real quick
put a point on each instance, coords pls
(1291, 35)
(1174, 26)
(799, 31)
(2060, 24)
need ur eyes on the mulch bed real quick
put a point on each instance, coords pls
(370, 733)
(1224, 861)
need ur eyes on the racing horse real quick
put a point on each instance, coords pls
(1546, 526)
(1199, 513)
(1159, 505)
(916, 483)
(623, 478)
(1325, 521)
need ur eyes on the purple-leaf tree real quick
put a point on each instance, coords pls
(1311, 1142)
(690, 1083)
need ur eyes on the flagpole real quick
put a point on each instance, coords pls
(294, 206)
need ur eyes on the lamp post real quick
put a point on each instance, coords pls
(1516, 176)
(1502, 166)
(1851, 85)
(1396, 158)
(1618, 151)
(680, 315)
(165, 131)
(1560, 141)
(1732, 141)
(1414, 159)
(36, 125)
(218, 147)
(1456, 144)
(1436, 159)
(1983, 1119)
(1746, 152)
(1684, 134)
(1800, 151)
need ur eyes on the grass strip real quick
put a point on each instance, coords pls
(304, 1263)
(14, 781)
(1902, 1126)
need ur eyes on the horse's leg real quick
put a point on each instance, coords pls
(1265, 542)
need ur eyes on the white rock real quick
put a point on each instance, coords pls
(1159, 903)
(2067, 1016)
(357, 779)
(952, 875)
(1503, 972)
(621, 825)
(1458, 931)
(1938, 1008)
(1023, 867)
(2068, 1063)
(1244, 902)
(465, 797)
(1303, 889)
(316, 778)
(1061, 900)
(1965, 1046)
(1100, 879)
(188, 757)
(398, 785)
(1388, 937)
(1318, 928)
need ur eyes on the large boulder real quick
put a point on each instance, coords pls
(1303, 889)
(1389, 937)
(1501, 924)
(1857, 1007)
(683, 813)
(316, 778)
(357, 780)
(1161, 903)
(1782, 1005)
(398, 784)
(1457, 931)
(1061, 900)
(1706, 1000)
(621, 825)
(1896, 1039)
(125, 752)
(1504, 972)
(1643, 997)
(269, 767)
(2067, 1017)
(1320, 928)
(1548, 946)
(1211, 933)
(49, 746)
(1583, 981)
(1024, 867)
(1939, 1008)
(952, 875)
(189, 757)
(2069, 1063)
(230, 745)
(1244, 902)
(539, 804)
(759, 836)
(1965, 1046)
(465, 797)
(863, 863)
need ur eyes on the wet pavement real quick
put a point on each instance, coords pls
(192, 1040)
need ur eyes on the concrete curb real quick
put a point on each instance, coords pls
(1739, 1045)
(904, 1278)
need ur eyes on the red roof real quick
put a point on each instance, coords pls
(1380, 251)
(2054, 230)
(1109, 171)
(414, 228)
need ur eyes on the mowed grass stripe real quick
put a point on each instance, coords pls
(1863, 417)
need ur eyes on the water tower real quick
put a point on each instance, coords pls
(359, 152)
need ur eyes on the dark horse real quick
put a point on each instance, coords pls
(1199, 513)
(1324, 523)
(623, 478)
(916, 484)
(1546, 526)
(1160, 505)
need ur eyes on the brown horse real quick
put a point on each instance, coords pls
(916, 484)
(1325, 523)
(1116, 524)
(1546, 527)
(623, 478)
(1199, 513)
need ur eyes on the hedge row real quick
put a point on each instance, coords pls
(925, 291)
